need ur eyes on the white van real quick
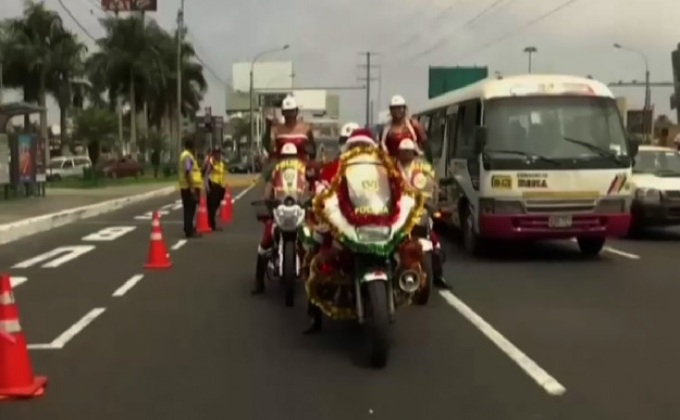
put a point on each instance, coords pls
(67, 167)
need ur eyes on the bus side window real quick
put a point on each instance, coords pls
(435, 135)
(471, 118)
(451, 130)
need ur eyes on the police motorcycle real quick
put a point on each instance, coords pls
(420, 175)
(288, 213)
(368, 265)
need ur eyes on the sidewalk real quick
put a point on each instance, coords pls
(58, 199)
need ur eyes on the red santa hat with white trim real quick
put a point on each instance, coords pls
(360, 136)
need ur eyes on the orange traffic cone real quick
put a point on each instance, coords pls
(227, 207)
(16, 373)
(202, 225)
(158, 256)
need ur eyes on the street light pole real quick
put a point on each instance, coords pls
(530, 51)
(251, 142)
(180, 32)
(648, 90)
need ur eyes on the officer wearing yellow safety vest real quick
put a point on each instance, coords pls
(190, 186)
(215, 172)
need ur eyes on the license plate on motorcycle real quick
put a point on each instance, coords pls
(560, 221)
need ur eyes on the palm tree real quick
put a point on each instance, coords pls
(128, 59)
(67, 66)
(31, 47)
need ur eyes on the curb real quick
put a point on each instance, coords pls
(10, 232)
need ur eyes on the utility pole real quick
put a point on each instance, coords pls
(2, 86)
(368, 78)
(530, 51)
(180, 36)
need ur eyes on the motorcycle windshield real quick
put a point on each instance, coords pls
(288, 180)
(369, 188)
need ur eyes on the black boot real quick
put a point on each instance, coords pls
(437, 268)
(316, 317)
(259, 275)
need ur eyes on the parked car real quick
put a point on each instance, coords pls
(121, 168)
(656, 189)
(67, 167)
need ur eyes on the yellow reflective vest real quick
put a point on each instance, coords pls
(195, 173)
(218, 173)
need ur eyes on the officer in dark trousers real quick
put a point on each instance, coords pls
(190, 186)
(215, 172)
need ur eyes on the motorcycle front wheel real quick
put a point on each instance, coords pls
(423, 295)
(378, 323)
(289, 272)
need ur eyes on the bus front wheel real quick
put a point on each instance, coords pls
(472, 242)
(590, 247)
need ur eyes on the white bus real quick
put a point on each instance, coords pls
(531, 157)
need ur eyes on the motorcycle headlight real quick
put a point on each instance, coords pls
(648, 195)
(289, 217)
(288, 201)
(370, 234)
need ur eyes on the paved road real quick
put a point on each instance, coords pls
(192, 343)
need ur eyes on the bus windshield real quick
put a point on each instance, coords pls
(580, 130)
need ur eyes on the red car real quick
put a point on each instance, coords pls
(122, 168)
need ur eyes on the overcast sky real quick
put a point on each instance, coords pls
(326, 37)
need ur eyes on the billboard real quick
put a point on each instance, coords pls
(311, 100)
(445, 79)
(129, 5)
(26, 152)
(272, 76)
(640, 121)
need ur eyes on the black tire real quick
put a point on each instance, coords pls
(591, 247)
(423, 296)
(378, 324)
(289, 272)
(636, 228)
(472, 243)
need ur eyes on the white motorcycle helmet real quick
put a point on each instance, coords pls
(289, 104)
(397, 101)
(347, 129)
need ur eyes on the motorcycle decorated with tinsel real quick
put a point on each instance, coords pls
(420, 175)
(287, 210)
(368, 264)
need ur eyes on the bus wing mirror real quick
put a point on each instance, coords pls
(480, 139)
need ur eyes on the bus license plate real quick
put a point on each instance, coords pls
(559, 221)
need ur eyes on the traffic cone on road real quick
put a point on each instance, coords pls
(227, 207)
(16, 374)
(158, 256)
(202, 225)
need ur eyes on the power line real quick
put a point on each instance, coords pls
(445, 40)
(77, 22)
(415, 37)
(203, 62)
(519, 29)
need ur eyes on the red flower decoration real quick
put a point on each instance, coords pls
(354, 219)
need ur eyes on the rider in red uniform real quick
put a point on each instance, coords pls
(294, 133)
(401, 124)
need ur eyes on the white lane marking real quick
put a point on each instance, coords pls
(109, 234)
(180, 243)
(17, 281)
(621, 253)
(542, 378)
(616, 252)
(65, 254)
(168, 207)
(132, 281)
(76, 328)
(177, 205)
(47, 346)
(149, 215)
(244, 192)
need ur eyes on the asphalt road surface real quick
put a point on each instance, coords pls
(531, 333)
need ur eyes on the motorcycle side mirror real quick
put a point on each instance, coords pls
(480, 138)
(633, 145)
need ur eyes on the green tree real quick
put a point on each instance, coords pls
(97, 127)
(30, 47)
